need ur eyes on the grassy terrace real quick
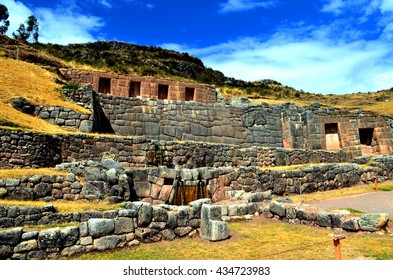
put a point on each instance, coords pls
(259, 240)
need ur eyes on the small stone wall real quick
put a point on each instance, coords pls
(138, 222)
(336, 219)
(63, 117)
(307, 179)
(143, 222)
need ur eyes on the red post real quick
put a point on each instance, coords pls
(376, 183)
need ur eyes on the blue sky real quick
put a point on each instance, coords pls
(322, 46)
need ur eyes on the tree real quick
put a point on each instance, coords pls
(4, 19)
(24, 32)
(32, 27)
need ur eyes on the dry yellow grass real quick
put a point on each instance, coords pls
(65, 206)
(16, 173)
(22, 79)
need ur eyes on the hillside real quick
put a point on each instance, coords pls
(25, 79)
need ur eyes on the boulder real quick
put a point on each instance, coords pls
(373, 222)
(277, 208)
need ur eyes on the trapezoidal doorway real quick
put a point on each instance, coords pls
(104, 85)
(332, 136)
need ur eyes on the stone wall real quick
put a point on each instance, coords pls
(137, 222)
(175, 120)
(28, 150)
(144, 87)
(143, 222)
(64, 117)
(306, 128)
(335, 219)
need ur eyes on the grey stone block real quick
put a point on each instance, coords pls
(100, 227)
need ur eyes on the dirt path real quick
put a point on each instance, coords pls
(376, 202)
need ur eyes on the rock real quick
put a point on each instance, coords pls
(145, 215)
(43, 190)
(373, 222)
(11, 237)
(183, 231)
(168, 234)
(111, 176)
(108, 242)
(159, 214)
(284, 200)
(196, 207)
(86, 126)
(100, 227)
(324, 219)
(21, 104)
(259, 196)
(5, 252)
(110, 163)
(69, 236)
(73, 250)
(277, 208)
(124, 225)
(26, 246)
(3, 193)
(281, 159)
(218, 230)
(49, 239)
(351, 225)
(212, 227)
(241, 102)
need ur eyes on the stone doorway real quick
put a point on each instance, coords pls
(190, 92)
(332, 136)
(163, 91)
(135, 89)
(104, 85)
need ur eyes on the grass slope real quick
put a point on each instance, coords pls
(22, 79)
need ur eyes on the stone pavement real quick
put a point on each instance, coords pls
(375, 202)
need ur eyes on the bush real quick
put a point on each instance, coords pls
(70, 86)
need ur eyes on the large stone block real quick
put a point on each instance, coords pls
(277, 208)
(218, 230)
(11, 237)
(373, 222)
(108, 242)
(100, 227)
(145, 215)
(124, 225)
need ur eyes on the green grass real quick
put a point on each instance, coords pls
(258, 240)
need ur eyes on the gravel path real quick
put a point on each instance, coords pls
(376, 202)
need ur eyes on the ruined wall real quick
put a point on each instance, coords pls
(356, 132)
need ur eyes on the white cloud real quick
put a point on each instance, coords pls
(62, 24)
(334, 6)
(386, 6)
(311, 64)
(242, 5)
(105, 3)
